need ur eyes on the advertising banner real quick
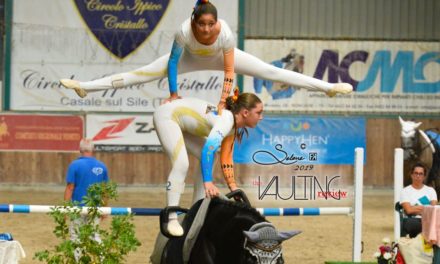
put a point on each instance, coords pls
(88, 40)
(123, 133)
(40, 132)
(302, 140)
(388, 77)
(300, 161)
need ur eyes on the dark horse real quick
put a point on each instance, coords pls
(421, 146)
(233, 232)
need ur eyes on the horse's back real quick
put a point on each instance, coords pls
(172, 253)
(220, 239)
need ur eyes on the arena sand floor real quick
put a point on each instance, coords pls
(324, 238)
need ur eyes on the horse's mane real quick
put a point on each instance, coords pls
(414, 152)
(226, 221)
(221, 232)
(239, 208)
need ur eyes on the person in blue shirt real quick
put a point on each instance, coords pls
(81, 174)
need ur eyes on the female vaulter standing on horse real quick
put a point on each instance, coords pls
(193, 125)
(205, 43)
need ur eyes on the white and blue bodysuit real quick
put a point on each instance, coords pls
(191, 125)
(188, 55)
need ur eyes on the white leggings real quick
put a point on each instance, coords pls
(176, 145)
(244, 63)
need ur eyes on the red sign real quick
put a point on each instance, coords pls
(40, 132)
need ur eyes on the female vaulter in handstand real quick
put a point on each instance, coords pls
(193, 125)
(205, 43)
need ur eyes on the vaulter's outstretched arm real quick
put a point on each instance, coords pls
(206, 162)
(212, 144)
(176, 52)
(208, 155)
(227, 161)
(228, 81)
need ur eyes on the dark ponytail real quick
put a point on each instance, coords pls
(237, 102)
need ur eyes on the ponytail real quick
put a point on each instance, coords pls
(237, 102)
(200, 2)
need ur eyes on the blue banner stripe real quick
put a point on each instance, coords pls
(119, 211)
(310, 140)
(4, 208)
(271, 211)
(145, 211)
(21, 208)
(311, 211)
(291, 211)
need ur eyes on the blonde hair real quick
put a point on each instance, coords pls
(86, 145)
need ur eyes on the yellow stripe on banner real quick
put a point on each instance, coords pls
(202, 129)
(177, 149)
(154, 74)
